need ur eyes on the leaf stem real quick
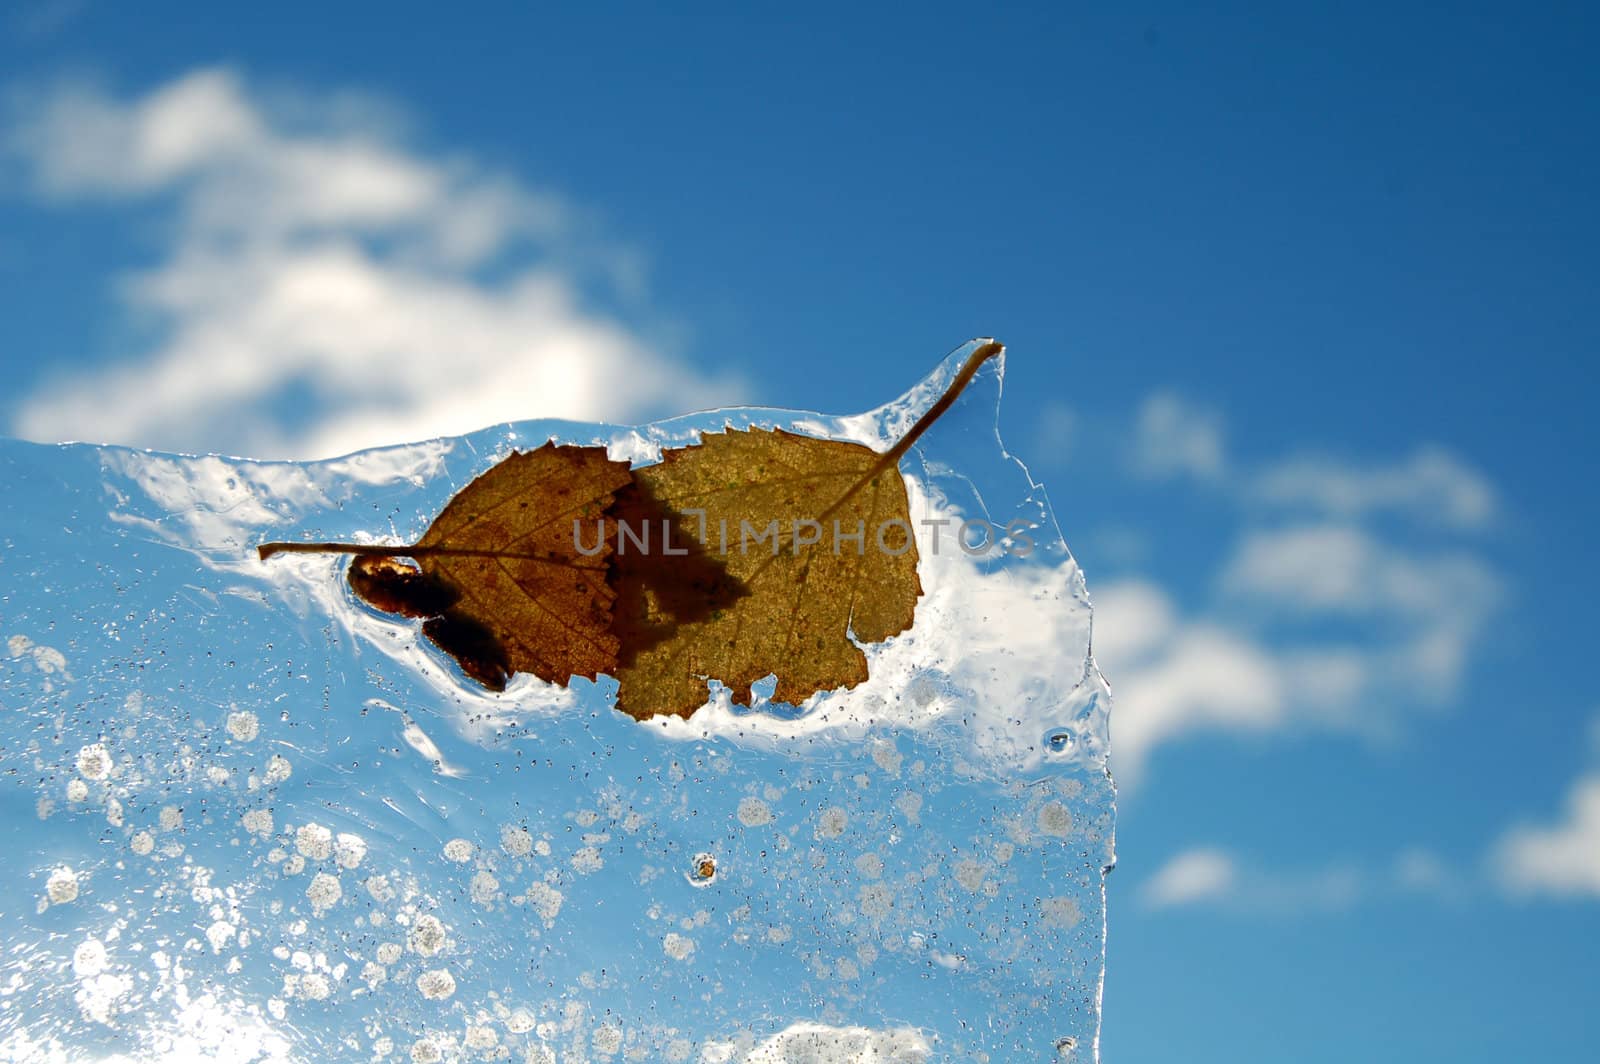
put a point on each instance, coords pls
(267, 550)
(963, 377)
(892, 456)
(398, 550)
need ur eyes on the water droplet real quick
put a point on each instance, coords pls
(703, 869)
(1059, 741)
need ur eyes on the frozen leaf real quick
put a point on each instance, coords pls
(817, 531)
(498, 573)
(757, 552)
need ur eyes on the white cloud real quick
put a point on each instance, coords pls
(1192, 877)
(1132, 618)
(1431, 485)
(1171, 677)
(1173, 437)
(1322, 625)
(1259, 660)
(1421, 871)
(1056, 434)
(1212, 877)
(326, 287)
(1423, 612)
(1561, 859)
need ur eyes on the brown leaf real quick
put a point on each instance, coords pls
(499, 571)
(505, 541)
(801, 600)
(755, 552)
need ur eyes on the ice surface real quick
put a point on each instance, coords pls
(250, 819)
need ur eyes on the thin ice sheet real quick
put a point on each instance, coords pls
(252, 819)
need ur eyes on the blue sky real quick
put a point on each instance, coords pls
(1301, 324)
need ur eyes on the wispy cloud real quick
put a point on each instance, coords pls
(1421, 611)
(1056, 433)
(1215, 878)
(1333, 621)
(1431, 485)
(1173, 436)
(1556, 859)
(1193, 877)
(325, 286)
(1172, 676)
(1241, 665)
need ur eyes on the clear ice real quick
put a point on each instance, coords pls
(250, 819)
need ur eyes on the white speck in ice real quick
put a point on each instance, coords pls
(219, 934)
(436, 984)
(887, 757)
(516, 841)
(324, 892)
(876, 900)
(258, 821)
(89, 959)
(546, 901)
(1060, 912)
(970, 874)
(458, 850)
(831, 822)
(587, 859)
(49, 660)
(427, 935)
(870, 865)
(607, 1040)
(94, 761)
(677, 946)
(314, 841)
(278, 769)
(97, 996)
(142, 843)
(62, 886)
(753, 812)
(243, 726)
(484, 888)
(170, 818)
(77, 790)
(348, 850)
(389, 953)
(1055, 819)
